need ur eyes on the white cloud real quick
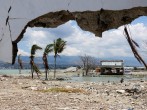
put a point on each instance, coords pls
(71, 51)
(22, 52)
(81, 42)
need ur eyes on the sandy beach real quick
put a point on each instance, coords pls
(23, 93)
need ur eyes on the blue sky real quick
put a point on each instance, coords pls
(79, 42)
(142, 19)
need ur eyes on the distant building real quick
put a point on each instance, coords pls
(112, 67)
(140, 68)
(71, 69)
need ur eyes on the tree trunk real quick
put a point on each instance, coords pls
(46, 78)
(32, 71)
(46, 69)
(86, 71)
(55, 68)
(87, 68)
(83, 73)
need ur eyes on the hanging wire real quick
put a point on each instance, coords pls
(136, 44)
(124, 31)
(133, 46)
(129, 30)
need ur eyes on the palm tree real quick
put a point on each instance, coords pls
(33, 65)
(20, 63)
(58, 46)
(48, 49)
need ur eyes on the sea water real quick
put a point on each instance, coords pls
(100, 78)
(14, 72)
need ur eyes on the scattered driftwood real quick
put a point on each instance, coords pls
(25, 87)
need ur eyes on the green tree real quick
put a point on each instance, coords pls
(58, 47)
(33, 65)
(48, 49)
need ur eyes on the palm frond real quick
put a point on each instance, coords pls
(59, 45)
(48, 49)
(62, 46)
(135, 43)
(55, 47)
(34, 48)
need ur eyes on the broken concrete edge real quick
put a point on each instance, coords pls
(92, 21)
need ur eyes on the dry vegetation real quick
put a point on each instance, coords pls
(66, 90)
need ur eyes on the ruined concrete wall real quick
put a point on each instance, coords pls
(95, 16)
(100, 21)
(92, 21)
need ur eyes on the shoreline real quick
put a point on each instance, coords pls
(73, 76)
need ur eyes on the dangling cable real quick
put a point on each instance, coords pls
(133, 46)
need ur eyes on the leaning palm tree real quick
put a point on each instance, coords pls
(33, 65)
(48, 49)
(58, 47)
(20, 63)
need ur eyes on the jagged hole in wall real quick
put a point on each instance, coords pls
(92, 21)
(79, 42)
